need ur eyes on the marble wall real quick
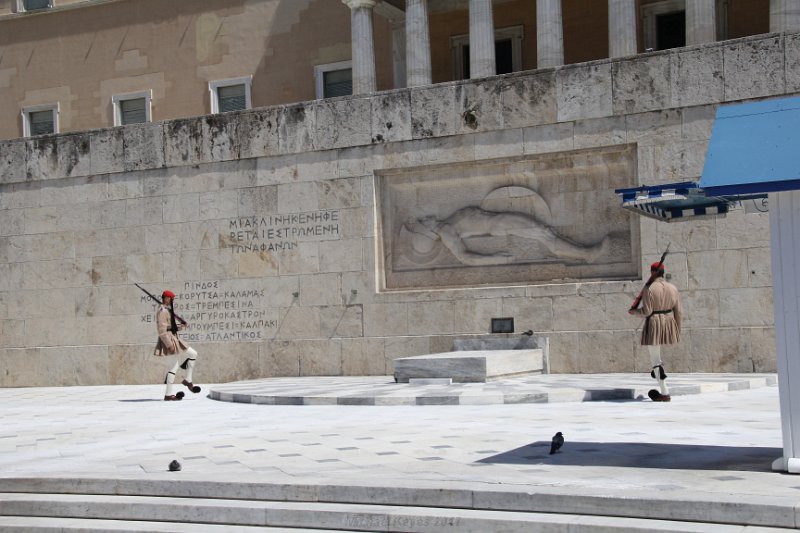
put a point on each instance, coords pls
(271, 226)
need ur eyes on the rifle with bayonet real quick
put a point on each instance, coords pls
(173, 316)
(650, 280)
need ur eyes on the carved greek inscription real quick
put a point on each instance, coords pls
(274, 233)
(218, 312)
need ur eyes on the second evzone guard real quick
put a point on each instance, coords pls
(177, 353)
(661, 307)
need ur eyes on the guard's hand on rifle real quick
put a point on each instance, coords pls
(631, 311)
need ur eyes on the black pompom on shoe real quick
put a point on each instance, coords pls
(191, 386)
(174, 466)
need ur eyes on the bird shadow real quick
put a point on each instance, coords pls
(643, 455)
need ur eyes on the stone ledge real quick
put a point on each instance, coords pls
(530, 98)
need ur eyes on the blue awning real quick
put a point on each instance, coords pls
(754, 148)
(674, 202)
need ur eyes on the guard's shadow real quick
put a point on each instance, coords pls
(142, 400)
(643, 455)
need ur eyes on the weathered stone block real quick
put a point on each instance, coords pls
(341, 122)
(108, 271)
(479, 106)
(792, 67)
(343, 321)
(218, 264)
(302, 259)
(653, 127)
(13, 334)
(278, 358)
(74, 155)
(118, 241)
(364, 357)
(258, 132)
(719, 350)
(143, 146)
(183, 142)
(341, 255)
(300, 323)
(642, 83)
(334, 194)
(252, 265)
(696, 77)
(475, 316)
(12, 222)
(584, 91)
(433, 111)
(145, 268)
(219, 204)
(296, 126)
(529, 313)
(42, 157)
(758, 65)
(575, 313)
(746, 307)
(565, 353)
(434, 151)
(718, 269)
(181, 208)
(740, 230)
(606, 351)
(44, 247)
(501, 143)
(225, 362)
(386, 320)
(759, 267)
(700, 308)
(107, 151)
(549, 138)
(358, 161)
(431, 317)
(314, 166)
(13, 160)
(762, 344)
(599, 132)
(391, 117)
(529, 99)
(257, 200)
(297, 197)
(320, 357)
(221, 136)
(57, 274)
(321, 289)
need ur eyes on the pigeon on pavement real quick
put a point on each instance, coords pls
(556, 443)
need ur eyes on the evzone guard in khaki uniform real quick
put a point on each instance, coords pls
(177, 353)
(661, 307)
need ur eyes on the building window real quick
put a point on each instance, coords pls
(40, 120)
(664, 23)
(334, 79)
(33, 5)
(132, 108)
(230, 95)
(507, 52)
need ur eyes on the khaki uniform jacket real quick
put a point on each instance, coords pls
(168, 343)
(661, 328)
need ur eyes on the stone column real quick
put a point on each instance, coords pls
(549, 34)
(701, 24)
(418, 43)
(481, 39)
(363, 45)
(622, 28)
(399, 53)
(784, 15)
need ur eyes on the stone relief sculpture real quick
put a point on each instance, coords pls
(546, 218)
(472, 221)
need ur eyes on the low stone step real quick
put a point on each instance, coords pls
(758, 510)
(28, 524)
(92, 513)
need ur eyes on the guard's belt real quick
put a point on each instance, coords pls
(668, 311)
